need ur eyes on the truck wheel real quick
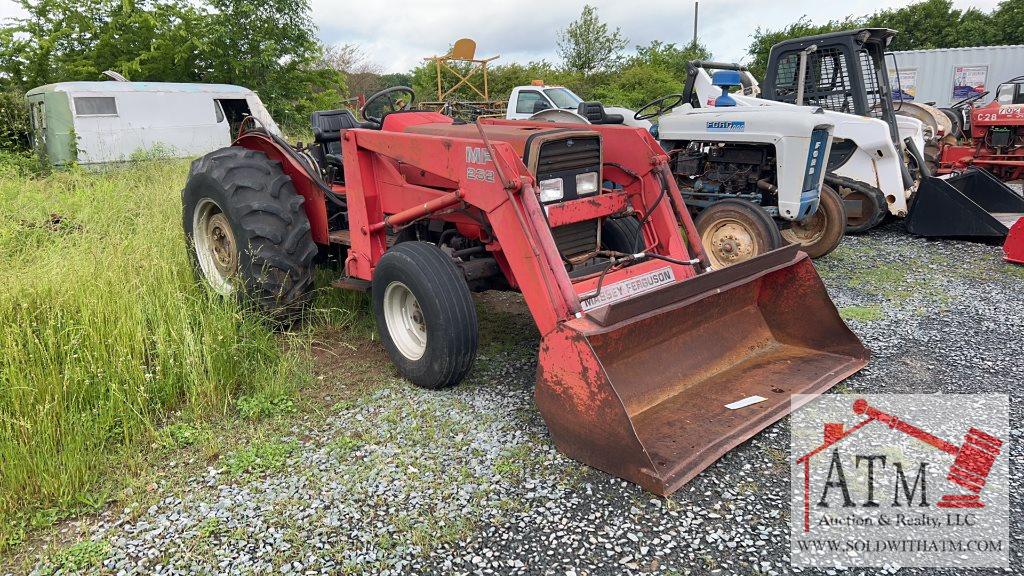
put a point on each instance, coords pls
(247, 233)
(425, 314)
(821, 232)
(622, 235)
(734, 230)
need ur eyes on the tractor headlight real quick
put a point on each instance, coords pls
(551, 190)
(586, 183)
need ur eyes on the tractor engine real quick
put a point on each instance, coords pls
(566, 164)
(707, 172)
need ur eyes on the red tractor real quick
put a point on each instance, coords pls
(989, 136)
(651, 365)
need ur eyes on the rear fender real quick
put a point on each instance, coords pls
(315, 201)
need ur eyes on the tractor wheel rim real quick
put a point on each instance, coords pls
(809, 230)
(405, 321)
(215, 246)
(729, 241)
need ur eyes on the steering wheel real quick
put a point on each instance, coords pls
(969, 99)
(389, 101)
(659, 107)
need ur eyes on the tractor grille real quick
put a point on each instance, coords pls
(576, 239)
(566, 159)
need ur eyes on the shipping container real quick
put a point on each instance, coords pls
(947, 75)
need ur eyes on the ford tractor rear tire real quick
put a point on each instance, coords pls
(821, 232)
(425, 314)
(247, 233)
(735, 230)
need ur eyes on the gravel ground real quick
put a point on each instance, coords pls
(466, 481)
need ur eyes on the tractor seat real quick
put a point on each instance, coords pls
(595, 113)
(327, 128)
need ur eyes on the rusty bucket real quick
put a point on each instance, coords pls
(656, 388)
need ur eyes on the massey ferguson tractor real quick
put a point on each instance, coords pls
(651, 366)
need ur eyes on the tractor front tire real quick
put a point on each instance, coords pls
(425, 314)
(622, 235)
(821, 232)
(247, 233)
(735, 230)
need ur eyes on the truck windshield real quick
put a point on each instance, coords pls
(563, 98)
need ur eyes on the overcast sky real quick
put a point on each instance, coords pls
(398, 34)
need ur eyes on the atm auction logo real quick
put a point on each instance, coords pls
(900, 480)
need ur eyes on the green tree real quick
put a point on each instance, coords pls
(669, 57)
(933, 24)
(269, 46)
(589, 45)
(1008, 22)
(920, 26)
(764, 39)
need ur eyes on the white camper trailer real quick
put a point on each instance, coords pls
(101, 122)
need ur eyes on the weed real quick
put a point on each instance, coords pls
(179, 435)
(211, 527)
(861, 313)
(260, 456)
(77, 558)
(265, 405)
(104, 333)
(342, 446)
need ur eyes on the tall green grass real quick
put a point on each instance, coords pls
(104, 332)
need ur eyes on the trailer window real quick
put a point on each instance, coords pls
(528, 101)
(95, 106)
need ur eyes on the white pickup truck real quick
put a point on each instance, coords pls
(559, 104)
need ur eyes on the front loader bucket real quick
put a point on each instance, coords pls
(1013, 248)
(972, 204)
(656, 388)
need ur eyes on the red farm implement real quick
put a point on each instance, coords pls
(651, 365)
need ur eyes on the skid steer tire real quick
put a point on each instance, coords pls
(821, 232)
(425, 314)
(247, 234)
(874, 205)
(622, 235)
(735, 230)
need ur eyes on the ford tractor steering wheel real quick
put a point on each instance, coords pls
(388, 100)
(658, 107)
(969, 100)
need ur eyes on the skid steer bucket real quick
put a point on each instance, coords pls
(972, 204)
(656, 388)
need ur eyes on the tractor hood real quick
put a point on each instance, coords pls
(522, 138)
(742, 123)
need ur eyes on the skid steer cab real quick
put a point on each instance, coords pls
(651, 365)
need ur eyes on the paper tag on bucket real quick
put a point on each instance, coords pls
(745, 402)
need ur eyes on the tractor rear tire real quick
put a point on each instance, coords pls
(821, 232)
(425, 314)
(735, 230)
(622, 235)
(247, 233)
